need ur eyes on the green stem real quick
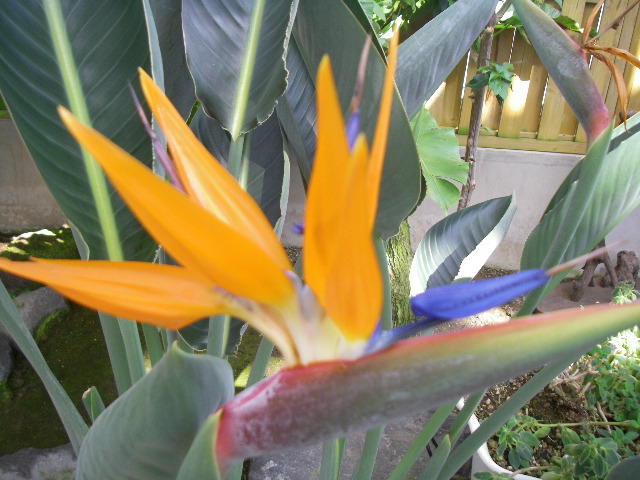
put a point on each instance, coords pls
(78, 106)
(154, 343)
(422, 440)
(582, 424)
(386, 320)
(331, 458)
(246, 70)
(218, 335)
(364, 470)
(235, 157)
(260, 362)
(97, 184)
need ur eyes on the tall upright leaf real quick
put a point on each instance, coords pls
(109, 42)
(177, 82)
(235, 51)
(459, 245)
(601, 181)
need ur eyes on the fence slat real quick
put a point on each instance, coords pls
(632, 74)
(521, 108)
(444, 105)
(525, 121)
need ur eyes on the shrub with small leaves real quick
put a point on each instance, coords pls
(497, 76)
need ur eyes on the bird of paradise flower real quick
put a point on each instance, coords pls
(332, 314)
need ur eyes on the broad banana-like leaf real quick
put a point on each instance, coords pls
(440, 160)
(109, 42)
(297, 111)
(567, 64)
(147, 432)
(301, 406)
(328, 27)
(459, 245)
(601, 183)
(235, 51)
(427, 57)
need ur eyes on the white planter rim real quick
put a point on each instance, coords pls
(482, 461)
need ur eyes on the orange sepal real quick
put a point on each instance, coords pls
(353, 295)
(163, 295)
(190, 233)
(328, 185)
(206, 181)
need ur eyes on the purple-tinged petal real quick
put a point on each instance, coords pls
(353, 128)
(463, 299)
(298, 228)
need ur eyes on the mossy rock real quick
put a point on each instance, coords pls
(55, 243)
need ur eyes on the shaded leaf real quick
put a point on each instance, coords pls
(400, 186)
(235, 84)
(459, 245)
(147, 432)
(591, 201)
(109, 42)
(427, 57)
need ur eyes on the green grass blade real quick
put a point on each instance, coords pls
(364, 469)
(422, 440)
(331, 458)
(505, 411)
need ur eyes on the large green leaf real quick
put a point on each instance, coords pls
(329, 27)
(235, 51)
(460, 244)
(297, 111)
(592, 200)
(109, 42)
(147, 432)
(427, 57)
(440, 160)
(567, 65)
(301, 406)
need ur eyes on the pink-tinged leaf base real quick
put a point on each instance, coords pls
(305, 405)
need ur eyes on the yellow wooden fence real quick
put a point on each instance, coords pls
(535, 116)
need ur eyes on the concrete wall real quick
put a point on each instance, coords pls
(532, 176)
(25, 200)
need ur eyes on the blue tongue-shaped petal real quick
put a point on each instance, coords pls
(441, 304)
(463, 299)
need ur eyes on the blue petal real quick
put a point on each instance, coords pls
(463, 299)
(441, 304)
(353, 128)
(298, 228)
